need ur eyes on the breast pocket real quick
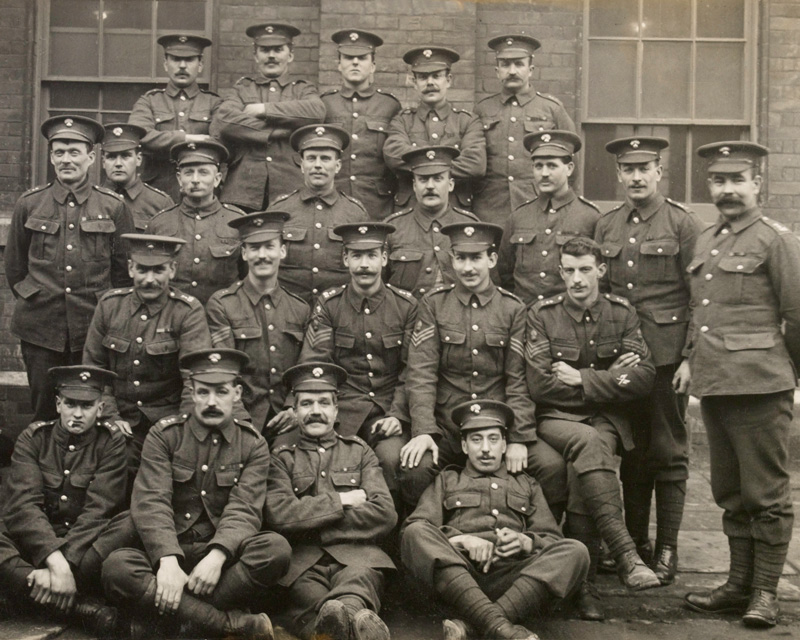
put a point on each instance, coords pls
(493, 133)
(117, 348)
(496, 343)
(44, 238)
(742, 279)
(164, 120)
(520, 504)
(567, 352)
(659, 261)
(96, 239)
(294, 237)
(377, 129)
(461, 506)
(522, 240)
(405, 265)
(224, 257)
(538, 123)
(164, 353)
(452, 342)
(344, 480)
(343, 343)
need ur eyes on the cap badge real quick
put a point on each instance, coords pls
(362, 230)
(635, 144)
(258, 222)
(510, 41)
(191, 145)
(317, 372)
(69, 122)
(546, 137)
(85, 375)
(431, 154)
(469, 231)
(725, 151)
(427, 53)
(182, 39)
(354, 36)
(320, 131)
(269, 29)
(214, 358)
(117, 131)
(475, 408)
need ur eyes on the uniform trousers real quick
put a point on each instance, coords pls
(38, 361)
(561, 565)
(748, 441)
(545, 464)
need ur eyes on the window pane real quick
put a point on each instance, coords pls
(720, 80)
(182, 15)
(71, 95)
(74, 13)
(73, 54)
(612, 79)
(120, 97)
(667, 19)
(720, 18)
(126, 55)
(665, 79)
(618, 18)
(124, 14)
(707, 135)
(600, 169)
(673, 159)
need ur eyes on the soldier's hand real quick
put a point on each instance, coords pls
(629, 359)
(197, 137)
(682, 378)
(62, 583)
(39, 582)
(413, 450)
(353, 498)
(570, 376)
(511, 543)
(282, 422)
(516, 457)
(387, 427)
(170, 581)
(255, 110)
(204, 577)
(480, 551)
(125, 427)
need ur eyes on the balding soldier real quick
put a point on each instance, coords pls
(197, 506)
(364, 112)
(140, 333)
(259, 317)
(66, 482)
(327, 495)
(528, 263)
(122, 157)
(257, 120)
(179, 112)
(210, 258)
(648, 242)
(418, 250)
(744, 356)
(64, 249)
(313, 251)
(435, 122)
(507, 117)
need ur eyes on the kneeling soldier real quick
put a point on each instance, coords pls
(485, 540)
(197, 504)
(67, 481)
(328, 496)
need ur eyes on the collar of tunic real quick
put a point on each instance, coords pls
(201, 433)
(425, 221)
(191, 91)
(349, 92)
(274, 296)
(356, 300)
(282, 79)
(135, 303)
(740, 223)
(205, 211)
(465, 296)
(80, 193)
(474, 473)
(648, 210)
(326, 441)
(307, 194)
(131, 192)
(65, 439)
(423, 111)
(554, 203)
(523, 97)
(578, 312)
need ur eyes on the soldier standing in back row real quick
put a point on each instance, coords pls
(180, 112)
(507, 116)
(364, 112)
(64, 249)
(257, 120)
(435, 122)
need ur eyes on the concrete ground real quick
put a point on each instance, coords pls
(655, 614)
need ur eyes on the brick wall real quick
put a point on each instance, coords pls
(782, 102)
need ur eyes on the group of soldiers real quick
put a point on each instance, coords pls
(267, 395)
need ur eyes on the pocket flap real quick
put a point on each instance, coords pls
(695, 265)
(161, 347)
(489, 123)
(222, 250)
(538, 124)
(227, 478)
(377, 125)
(497, 339)
(246, 333)
(563, 236)
(660, 248)
(294, 234)
(668, 316)
(451, 336)
(404, 255)
(52, 479)
(300, 484)
(393, 340)
(80, 480)
(350, 479)
(742, 341)
(611, 249)
(295, 330)
(462, 500)
(344, 340)
(608, 349)
(42, 226)
(333, 236)
(200, 117)
(565, 352)
(120, 345)
(181, 474)
(27, 288)
(165, 116)
(98, 226)
(522, 236)
(740, 264)
(520, 503)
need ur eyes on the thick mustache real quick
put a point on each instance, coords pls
(212, 412)
(315, 418)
